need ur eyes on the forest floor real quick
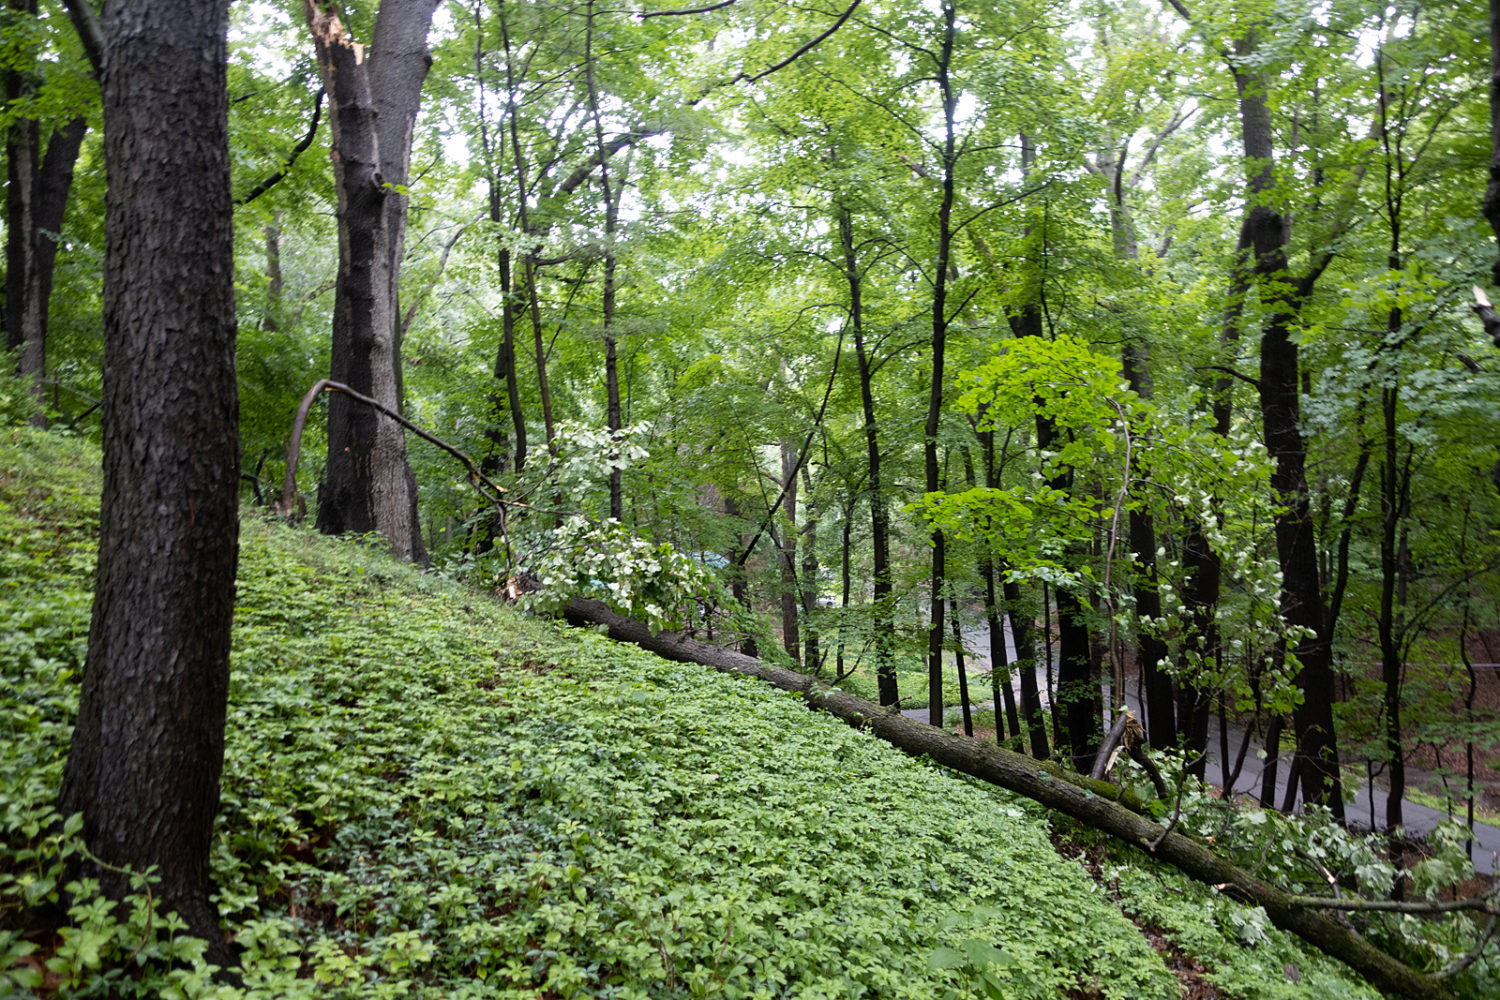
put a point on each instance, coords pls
(430, 796)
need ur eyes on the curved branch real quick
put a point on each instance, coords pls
(803, 50)
(288, 502)
(297, 150)
(686, 10)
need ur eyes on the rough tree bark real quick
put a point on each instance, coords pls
(1096, 804)
(374, 93)
(147, 751)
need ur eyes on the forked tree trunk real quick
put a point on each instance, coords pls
(146, 754)
(375, 92)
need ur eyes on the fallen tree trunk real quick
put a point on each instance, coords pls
(1087, 801)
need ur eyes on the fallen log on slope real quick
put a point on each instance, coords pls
(1044, 783)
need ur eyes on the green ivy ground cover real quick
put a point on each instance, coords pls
(427, 795)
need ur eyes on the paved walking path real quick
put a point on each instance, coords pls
(1365, 811)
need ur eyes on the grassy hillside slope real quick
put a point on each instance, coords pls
(428, 795)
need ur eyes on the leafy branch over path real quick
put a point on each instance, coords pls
(1087, 801)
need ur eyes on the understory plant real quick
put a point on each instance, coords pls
(427, 794)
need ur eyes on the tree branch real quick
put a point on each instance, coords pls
(86, 22)
(803, 50)
(288, 502)
(1487, 315)
(685, 11)
(1484, 904)
(269, 182)
(420, 297)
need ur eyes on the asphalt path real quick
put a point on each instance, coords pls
(1366, 810)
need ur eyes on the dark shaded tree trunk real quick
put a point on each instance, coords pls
(613, 191)
(1135, 361)
(147, 752)
(883, 623)
(1281, 418)
(1392, 495)
(737, 585)
(994, 616)
(36, 198)
(25, 311)
(1074, 708)
(1074, 719)
(963, 673)
(1152, 649)
(374, 95)
(1202, 568)
(940, 320)
(1031, 698)
(1491, 204)
(808, 577)
(786, 539)
(505, 393)
(884, 619)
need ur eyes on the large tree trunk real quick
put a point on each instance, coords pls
(1093, 803)
(148, 748)
(374, 92)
